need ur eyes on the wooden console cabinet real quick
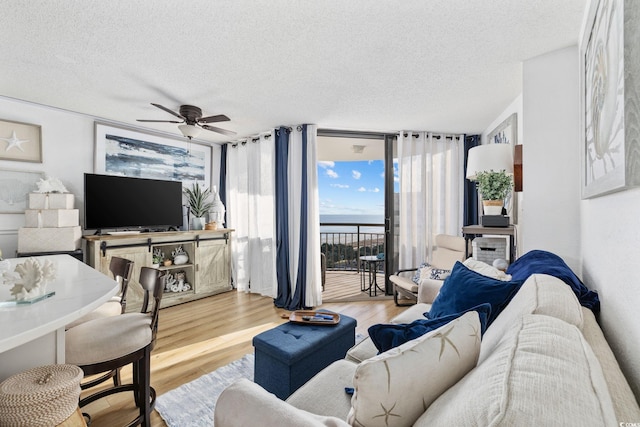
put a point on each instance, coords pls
(207, 272)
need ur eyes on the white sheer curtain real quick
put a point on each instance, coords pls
(251, 213)
(431, 192)
(313, 291)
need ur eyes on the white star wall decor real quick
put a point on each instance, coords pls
(20, 142)
(14, 141)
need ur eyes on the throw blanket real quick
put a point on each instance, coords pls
(543, 262)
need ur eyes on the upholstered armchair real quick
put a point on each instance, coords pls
(448, 250)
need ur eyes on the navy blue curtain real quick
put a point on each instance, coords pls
(470, 190)
(223, 177)
(283, 298)
(297, 302)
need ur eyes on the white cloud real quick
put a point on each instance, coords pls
(375, 190)
(340, 185)
(331, 173)
(362, 189)
(356, 174)
(325, 164)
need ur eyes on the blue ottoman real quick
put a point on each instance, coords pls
(288, 356)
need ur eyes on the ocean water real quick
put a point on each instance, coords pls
(351, 219)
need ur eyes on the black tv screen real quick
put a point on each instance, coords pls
(124, 202)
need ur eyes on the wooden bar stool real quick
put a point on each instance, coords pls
(121, 269)
(107, 344)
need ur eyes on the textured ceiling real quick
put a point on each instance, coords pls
(445, 66)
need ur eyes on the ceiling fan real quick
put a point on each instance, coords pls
(193, 121)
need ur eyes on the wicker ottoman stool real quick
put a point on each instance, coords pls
(43, 396)
(288, 356)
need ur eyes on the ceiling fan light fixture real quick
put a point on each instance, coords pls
(190, 131)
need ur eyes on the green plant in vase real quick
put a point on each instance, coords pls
(199, 204)
(493, 187)
(158, 257)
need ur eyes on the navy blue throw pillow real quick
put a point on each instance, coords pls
(388, 336)
(465, 288)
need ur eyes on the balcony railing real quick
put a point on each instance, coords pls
(344, 248)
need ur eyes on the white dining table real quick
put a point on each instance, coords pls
(33, 334)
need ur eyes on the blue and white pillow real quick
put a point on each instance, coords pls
(416, 277)
(427, 271)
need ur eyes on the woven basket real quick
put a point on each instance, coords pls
(42, 396)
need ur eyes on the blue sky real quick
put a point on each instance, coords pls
(351, 188)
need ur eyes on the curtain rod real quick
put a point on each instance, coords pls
(351, 134)
(433, 136)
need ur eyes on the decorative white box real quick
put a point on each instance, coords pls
(51, 201)
(51, 217)
(488, 249)
(49, 239)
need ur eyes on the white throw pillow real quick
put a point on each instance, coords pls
(246, 404)
(396, 387)
(486, 269)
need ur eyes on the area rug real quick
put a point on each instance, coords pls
(192, 404)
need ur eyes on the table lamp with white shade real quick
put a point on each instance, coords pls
(491, 166)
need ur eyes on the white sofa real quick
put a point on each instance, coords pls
(543, 361)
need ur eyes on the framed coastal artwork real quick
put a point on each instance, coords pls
(15, 186)
(132, 153)
(20, 142)
(610, 95)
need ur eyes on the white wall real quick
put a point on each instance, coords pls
(598, 238)
(610, 255)
(68, 147)
(550, 158)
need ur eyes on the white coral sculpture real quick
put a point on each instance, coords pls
(30, 278)
(51, 185)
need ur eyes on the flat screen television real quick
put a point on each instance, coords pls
(120, 202)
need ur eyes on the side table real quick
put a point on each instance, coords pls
(470, 232)
(371, 262)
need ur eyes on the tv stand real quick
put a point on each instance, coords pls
(207, 270)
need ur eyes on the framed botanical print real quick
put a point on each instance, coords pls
(610, 64)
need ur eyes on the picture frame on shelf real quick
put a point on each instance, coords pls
(21, 142)
(134, 153)
(15, 186)
(609, 63)
(507, 133)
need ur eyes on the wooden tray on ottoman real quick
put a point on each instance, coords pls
(308, 317)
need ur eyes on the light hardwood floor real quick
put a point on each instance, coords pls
(198, 337)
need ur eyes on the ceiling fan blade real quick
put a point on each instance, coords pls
(214, 119)
(159, 121)
(167, 110)
(219, 130)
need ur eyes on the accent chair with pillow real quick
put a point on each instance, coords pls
(427, 279)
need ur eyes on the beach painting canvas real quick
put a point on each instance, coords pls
(131, 153)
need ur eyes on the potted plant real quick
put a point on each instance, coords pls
(493, 187)
(158, 257)
(199, 204)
